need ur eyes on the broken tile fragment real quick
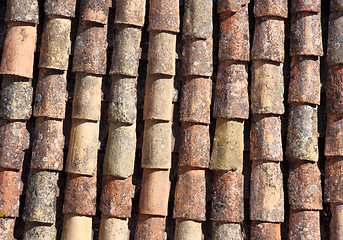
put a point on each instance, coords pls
(164, 15)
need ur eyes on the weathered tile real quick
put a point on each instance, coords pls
(158, 98)
(39, 231)
(336, 5)
(14, 140)
(156, 152)
(19, 48)
(265, 138)
(83, 148)
(154, 196)
(234, 37)
(77, 227)
(94, 10)
(113, 228)
(197, 57)
(304, 84)
(231, 99)
(130, 12)
(335, 38)
(116, 197)
(151, 227)
(51, 94)
(334, 136)
(265, 231)
(334, 89)
(190, 194)
(231, 5)
(65, 8)
(227, 201)
(55, 44)
(305, 6)
(228, 145)
(302, 133)
(336, 232)
(162, 53)
(126, 51)
(268, 42)
(306, 34)
(90, 49)
(120, 153)
(196, 100)
(223, 231)
(7, 228)
(266, 192)
(16, 98)
(271, 8)
(304, 225)
(197, 19)
(80, 195)
(333, 184)
(304, 186)
(87, 97)
(40, 199)
(48, 144)
(11, 188)
(188, 229)
(22, 11)
(164, 15)
(194, 145)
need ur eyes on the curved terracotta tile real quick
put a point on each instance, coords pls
(35, 230)
(65, 8)
(334, 136)
(164, 15)
(151, 227)
(304, 224)
(22, 11)
(333, 184)
(265, 231)
(113, 228)
(7, 228)
(130, 12)
(335, 38)
(188, 229)
(271, 8)
(94, 10)
(223, 230)
(231, 5)
(305, 6)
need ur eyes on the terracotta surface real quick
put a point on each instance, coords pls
(271, 8)
(65, 8)
(333, 183)
(77, 227)
(151, 227)
(223, 231)
(304, 224)
(113, 228)
(22, 11)
(130, 12)
(265, 231)
(231, 5)
(7, 228)
(336, 231)
(334, 93)
(335, 47)
(188, 229)
(334, 135)
(306, 6)
(336, 6)
(164, 15)
(94, 10)
(37, 230)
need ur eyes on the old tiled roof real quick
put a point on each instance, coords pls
(171, 119)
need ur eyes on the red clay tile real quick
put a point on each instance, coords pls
(197, 57)
(158, 98)
(194, 145)
(90, 49)
(48, 143)
(266, 192)
(304, 85)
(55, 44)
(197, 19)
(223, 230)
(113, 228)
(130, 12)
(335, 38)
(35, 230)
(304, 225)
(151, 227)
(268, 41)
(336, 231)
(231, 98)
(80, 195)
(196, 100)
(336, 5)
(123, 101)
(157, 145)
(271, 8)
(120, 153)
(154, 196)
(227, 145)
(305, 6)
(265, 138)
(267, 88)
(334, 136)
(126, 51)
(265, 231)
(7, 228)
(228, 202)
(306, 34)
(164, 15)
(234, 38)
(14, 140)
(188, 229)
(116, 197)
(304, 186)
(19, 48)
(87, 97)
(16, 98)
(334, 89)
(333, 185)
(51, 94)
(65, 8)
(83, 148)
(11, 188)
(190, 194)
(40, 199)
(302, 133)
(162, 53)
(94, 10)
(231, 5)
(22, 11)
